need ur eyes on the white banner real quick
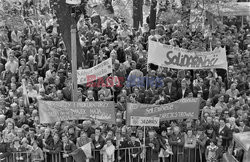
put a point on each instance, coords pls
(89, 75)
(145, 121)
(73, 2)
(178, 58)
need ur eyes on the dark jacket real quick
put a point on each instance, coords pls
(172, 93)
(180, 95)
(136, 150)
(55, 147)
(4, 150)
(226, 134)
(68, 149)
(152, 152)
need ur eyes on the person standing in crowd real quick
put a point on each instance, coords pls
(5, 150)
(108, 151)
(224, 133)
(177, 141)
(98, 142)
(68, 147)
(153, 147)
(135, 149)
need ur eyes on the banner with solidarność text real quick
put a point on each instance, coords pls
(180, 109)
(178, 58)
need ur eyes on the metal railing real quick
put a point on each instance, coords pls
(146, 154)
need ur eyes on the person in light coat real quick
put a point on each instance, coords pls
(108, 151)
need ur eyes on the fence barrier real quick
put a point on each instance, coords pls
(121, 155)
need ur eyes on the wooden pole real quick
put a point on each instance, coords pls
(74, 62)
(144, 144)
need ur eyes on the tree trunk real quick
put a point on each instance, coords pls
(186, 11)
(152, 16)
(137, 13)
(65, 20)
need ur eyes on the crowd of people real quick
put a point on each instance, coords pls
(34, 66)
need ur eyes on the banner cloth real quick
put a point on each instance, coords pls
(178, 58)
(54, 111)
(97, 71)
(180, 109)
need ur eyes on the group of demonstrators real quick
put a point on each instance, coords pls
(34, 67)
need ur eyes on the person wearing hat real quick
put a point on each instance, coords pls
(136, 150)
(169, 89)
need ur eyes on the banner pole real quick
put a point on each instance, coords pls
(144, 144)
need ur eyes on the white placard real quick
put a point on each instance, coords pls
(73, 2)
(145, 121)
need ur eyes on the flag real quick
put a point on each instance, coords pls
(83, 153)
(25, 94)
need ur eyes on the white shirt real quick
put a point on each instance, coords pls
(220, 129)
(32, 93)
(48, 74)
(13, 66)
(183, 92)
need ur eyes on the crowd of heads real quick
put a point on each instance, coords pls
(35, 60)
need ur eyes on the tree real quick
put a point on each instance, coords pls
(152, 16)
(66, 16)
(137, 13)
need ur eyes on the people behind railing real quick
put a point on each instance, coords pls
(134, 153)
(108, 151)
